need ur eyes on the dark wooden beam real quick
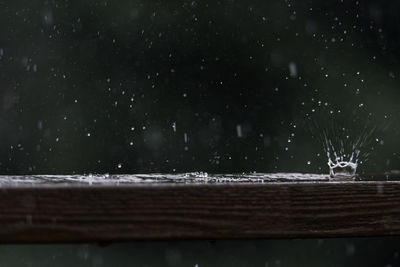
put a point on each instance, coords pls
(109, 208)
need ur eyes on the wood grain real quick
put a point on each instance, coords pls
(108, 213)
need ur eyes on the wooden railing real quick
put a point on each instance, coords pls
(110, 208)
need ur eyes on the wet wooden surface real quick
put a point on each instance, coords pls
(107, 208)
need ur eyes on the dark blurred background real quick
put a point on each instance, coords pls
(216, 86)
(374, 252)
(175, 86)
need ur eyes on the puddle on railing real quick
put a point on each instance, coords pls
(181, 178)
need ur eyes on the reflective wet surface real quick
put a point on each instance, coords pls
(183, 178)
